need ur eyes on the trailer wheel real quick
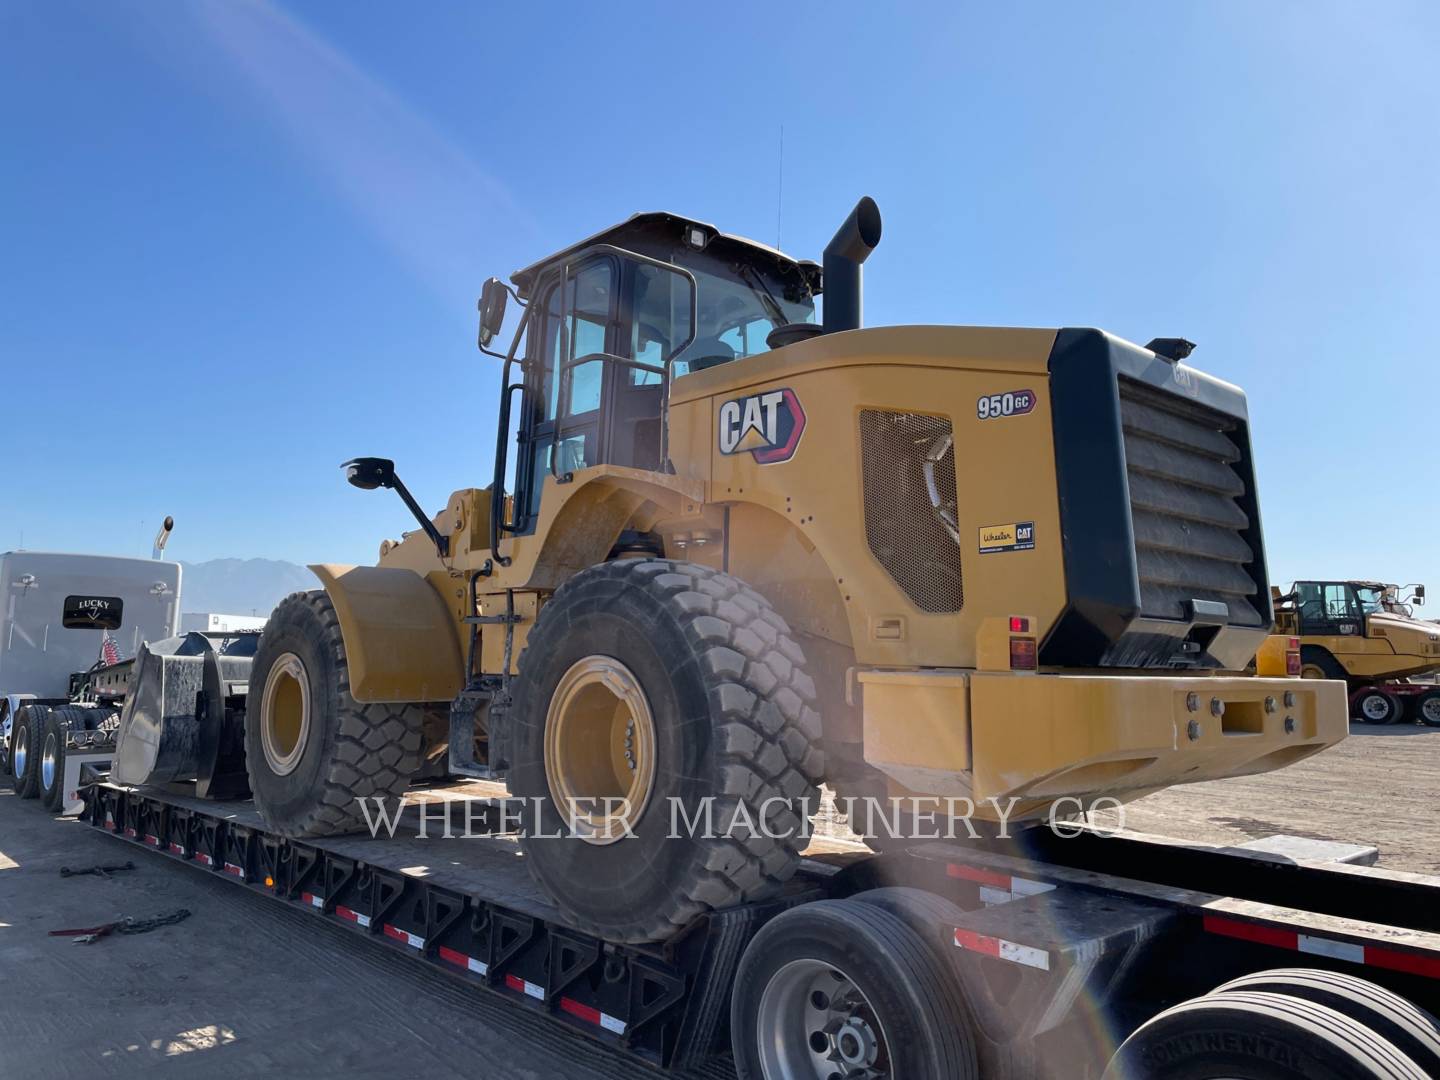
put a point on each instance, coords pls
(318, 759)
(840, 989)
(1408, 1027)
(25, 739)
(651, 689)
(1427, 708)
(52, 760)
(1377, 707)
(1257, 1036)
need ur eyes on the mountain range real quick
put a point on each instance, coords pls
(240, 586)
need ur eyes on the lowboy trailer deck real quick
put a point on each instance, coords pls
(1038, 954)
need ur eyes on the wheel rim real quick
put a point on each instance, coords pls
(600, 749)
(285, 714)
(1374, 707)
(1311, 671)
(1430, 710)
(21, 752)
(48, 759)
(814, 1022)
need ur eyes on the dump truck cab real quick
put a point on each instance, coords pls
(1361, 631)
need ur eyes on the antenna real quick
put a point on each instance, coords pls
(780, 188)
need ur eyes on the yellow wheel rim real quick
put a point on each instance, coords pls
(1310, 671)
(600, 749)
(285, 714)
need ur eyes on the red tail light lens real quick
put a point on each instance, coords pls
(1292, 663)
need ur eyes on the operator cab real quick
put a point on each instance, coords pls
(1342, 607)
(612, 319)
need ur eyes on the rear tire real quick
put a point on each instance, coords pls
(1257, 1036)
(1377, 707)
(25, 739)
(1405, 1025)
(833, 987)
(1318, 663)
(667, 687)
(312, 752)
(1427, 708)
(52, 760)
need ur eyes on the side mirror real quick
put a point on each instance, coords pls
(1419, 596)
(493, 297)
(369, 473)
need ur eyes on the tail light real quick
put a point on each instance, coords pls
(1292, 656)
(1022, 654)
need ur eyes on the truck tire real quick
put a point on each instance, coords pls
(842, 988)
(1375, 706)
(52, 760)
(1427, 708)
(1405, 1025)
(1257, 1036)
(1318, 663)
(664, 687)
(25, 739)
(318, 759)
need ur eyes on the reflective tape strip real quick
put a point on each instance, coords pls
(1426, 965)
(129, 831)
(1001, 949)
(237, 871)
(206, 859)
(312, 899)
(592, 1015)
(352, 916)
(995, 887)
(514, 982)
(152, 839)
(403, 936)
(459, 959)
(176, 849)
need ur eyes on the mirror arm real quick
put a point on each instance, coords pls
(439, 539)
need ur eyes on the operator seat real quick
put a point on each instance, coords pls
(706, 353)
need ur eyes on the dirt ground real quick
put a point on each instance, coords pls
(1377, 787)
(247, 987)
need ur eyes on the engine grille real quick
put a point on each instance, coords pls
(1185, 497)
(902, 526)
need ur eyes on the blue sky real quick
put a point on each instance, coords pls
(242, 242)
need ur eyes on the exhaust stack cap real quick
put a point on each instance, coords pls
(848, 249)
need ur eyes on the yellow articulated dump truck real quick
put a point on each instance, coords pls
(745, 553)
(1365, 633)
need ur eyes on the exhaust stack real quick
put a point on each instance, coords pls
(848, 249)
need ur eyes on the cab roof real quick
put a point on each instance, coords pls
(656, 233)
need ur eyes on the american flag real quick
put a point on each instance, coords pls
(109, 652)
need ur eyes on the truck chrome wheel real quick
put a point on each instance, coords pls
(20, 749)
(285, 714)
(600, 749)
(815, 1022)
(48, 759)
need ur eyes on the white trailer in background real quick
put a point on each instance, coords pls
(56, 611)
(214, 622)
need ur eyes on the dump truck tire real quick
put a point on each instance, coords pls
(1412, 1030)
(841, 988)
(1318, 663)
(51, 773)
(1273, 1036)
(25, 739)
(709, 690)
(317, 758)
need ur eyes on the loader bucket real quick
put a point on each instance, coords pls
(163, 736)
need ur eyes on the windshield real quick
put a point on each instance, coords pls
(737, 308)
(1372, 599)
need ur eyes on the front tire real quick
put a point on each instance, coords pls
(317, 758)
(666, 688)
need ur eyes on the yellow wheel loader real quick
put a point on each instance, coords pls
(1365, 633)
(730, 553)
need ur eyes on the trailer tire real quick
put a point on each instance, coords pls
(313, 752)
(52, 760)
(1400, 1022)
(1257, 1036)
(903, 1019)
(25, 739)
(1427, 708)
(700, 678)
(1377, 707)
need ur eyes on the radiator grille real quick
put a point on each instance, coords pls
(1185, 497)
(902, 525)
